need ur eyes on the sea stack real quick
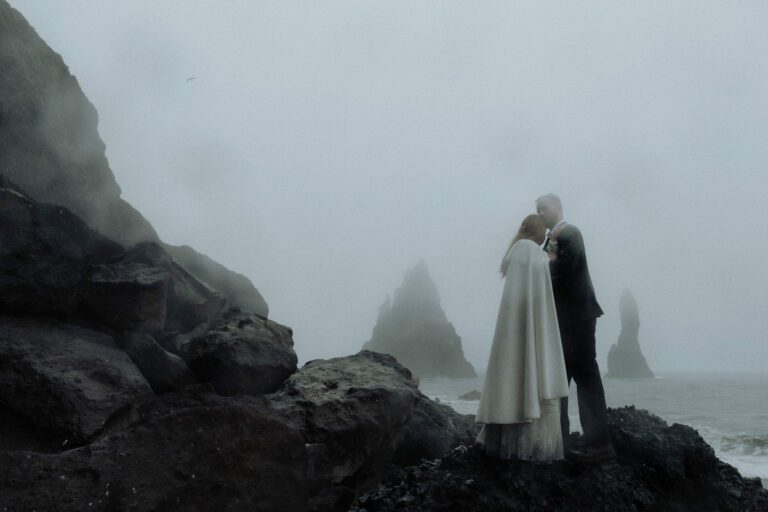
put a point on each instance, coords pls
(414, 329)
(625, 360)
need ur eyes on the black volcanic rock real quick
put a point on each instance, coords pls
(414, 329)
(625, 360)
(64, 380)
(144, 289)
(52, 264)
(164, 371)
(658, 468)
(194, 455)
(352, 411)
(50, 146)
(236, 287)
(242, 353)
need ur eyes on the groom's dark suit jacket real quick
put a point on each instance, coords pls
(574, 295)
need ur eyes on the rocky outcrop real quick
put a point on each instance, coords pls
(65, 381)
(625, 360)
(50, 146)
(237, 288)
(53, 265)
(49, 143)
(330, 433)
(242, 353)
(415, 330)
(433, 431)
(659, 467)
(96, 413)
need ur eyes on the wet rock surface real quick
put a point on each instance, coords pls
(658, 468)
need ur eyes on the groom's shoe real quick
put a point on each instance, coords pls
(592, 455)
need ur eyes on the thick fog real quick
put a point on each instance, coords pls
(323, 148)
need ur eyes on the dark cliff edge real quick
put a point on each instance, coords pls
(50, 147)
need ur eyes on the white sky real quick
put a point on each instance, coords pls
(324, 147)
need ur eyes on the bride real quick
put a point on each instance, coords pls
(525, 379)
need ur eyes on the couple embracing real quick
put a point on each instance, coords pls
(544, 338)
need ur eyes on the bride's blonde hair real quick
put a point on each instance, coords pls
(532, 228)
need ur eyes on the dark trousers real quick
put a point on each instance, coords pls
(581, 365)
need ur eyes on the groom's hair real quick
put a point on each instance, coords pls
(552, 198)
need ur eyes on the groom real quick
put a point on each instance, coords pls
(577, 312)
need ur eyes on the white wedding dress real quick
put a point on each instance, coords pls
(525, 378)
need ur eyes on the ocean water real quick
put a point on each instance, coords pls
(730, 411)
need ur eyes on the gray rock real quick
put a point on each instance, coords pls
(471, 395)
(242, 353)
(414, 329)
(433, 431)
(145, 290)
(658, 468)
(352, 411)
(64, 380)
(163, 371)
(625, 359)
(237, 288)
(45, 251)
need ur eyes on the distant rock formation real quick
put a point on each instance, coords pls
(50, 147)
(625, 360)
(415, 330)
(471, 395)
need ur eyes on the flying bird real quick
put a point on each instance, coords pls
(191, 79)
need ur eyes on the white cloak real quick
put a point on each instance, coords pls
(526, 364)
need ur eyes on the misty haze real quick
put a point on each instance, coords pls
(331, 151)
(322, 150)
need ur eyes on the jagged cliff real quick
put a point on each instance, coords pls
(625, 359)
(50, 147)
(415, 330)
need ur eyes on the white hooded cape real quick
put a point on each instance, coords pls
(526, 363)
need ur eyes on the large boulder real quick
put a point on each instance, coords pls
(197, 456)
(434, 430)
(45, 253)
(144, 289)
(64, 380)
(625, 359)
(659, 467)
(164, 371)
(352, 411)
(414, 329)
(49, 142)
(241, 353)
